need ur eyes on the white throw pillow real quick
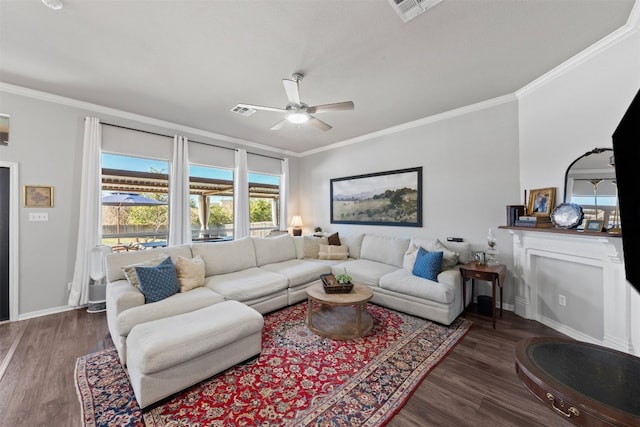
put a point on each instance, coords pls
(190, 273)
(465, 255)
(333, 252)
(312, 246)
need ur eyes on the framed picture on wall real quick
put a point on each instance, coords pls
(38, 196)
(382, 198)
(541, 201)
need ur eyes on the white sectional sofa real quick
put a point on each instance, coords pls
(269, 274)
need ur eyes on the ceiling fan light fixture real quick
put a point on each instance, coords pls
(298, 117)
(53, 4)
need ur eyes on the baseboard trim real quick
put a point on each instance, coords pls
(46, 312)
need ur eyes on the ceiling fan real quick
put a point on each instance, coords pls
(298, 112)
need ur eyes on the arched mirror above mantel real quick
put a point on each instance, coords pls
(590, 181)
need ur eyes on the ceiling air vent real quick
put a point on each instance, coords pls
(243, 111)
(409, 9)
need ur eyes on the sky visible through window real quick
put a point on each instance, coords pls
(138, 164)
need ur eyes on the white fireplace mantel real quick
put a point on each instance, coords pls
(586, 272)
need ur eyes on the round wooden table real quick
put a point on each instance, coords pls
(339, 316)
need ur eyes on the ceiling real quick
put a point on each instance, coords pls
(189, 62)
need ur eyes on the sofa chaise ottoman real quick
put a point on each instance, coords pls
(168, 355)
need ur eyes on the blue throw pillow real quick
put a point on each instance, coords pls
(427, 264)
(159, 282)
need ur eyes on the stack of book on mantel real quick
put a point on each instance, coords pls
(534, 221)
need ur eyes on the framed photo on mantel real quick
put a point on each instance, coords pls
(541, 201)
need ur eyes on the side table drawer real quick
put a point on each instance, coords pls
(479, 275)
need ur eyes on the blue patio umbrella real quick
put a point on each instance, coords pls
(127, 199)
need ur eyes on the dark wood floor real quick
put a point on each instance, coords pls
(475, 385)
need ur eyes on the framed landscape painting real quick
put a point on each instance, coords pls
(383, 198)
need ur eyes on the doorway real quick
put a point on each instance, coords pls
(5, 186)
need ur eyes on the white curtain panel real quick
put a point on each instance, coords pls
(241, 196)
(179, 206)
(90, 221)
(284, 192)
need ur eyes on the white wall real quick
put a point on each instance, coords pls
(46, 135)
(567, 113)
(45, 141)
(470, 173)
(575, 110)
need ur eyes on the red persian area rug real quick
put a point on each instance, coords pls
(299, 379)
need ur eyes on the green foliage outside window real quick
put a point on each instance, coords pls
(259, 210)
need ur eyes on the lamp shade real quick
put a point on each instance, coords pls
(296, 221)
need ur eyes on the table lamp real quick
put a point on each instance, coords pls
(296, 223)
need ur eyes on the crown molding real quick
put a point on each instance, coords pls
(100, 109)
(483, 105)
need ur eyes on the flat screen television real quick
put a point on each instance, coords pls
(626, 152)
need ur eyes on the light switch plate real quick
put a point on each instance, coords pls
(38, 216)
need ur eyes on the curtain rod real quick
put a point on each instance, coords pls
(196, 142)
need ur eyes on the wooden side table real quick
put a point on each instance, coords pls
(490, 273)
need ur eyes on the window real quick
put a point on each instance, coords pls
(137, 164)
(211, 203)
(264, 203)
(134, 202)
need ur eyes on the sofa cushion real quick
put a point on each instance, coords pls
(427, 264)
(159, 282)
(176, 304)
(299, 271)
(117, 260)
(354, 243)
(247, 284)
(226, 257)
(405, 283)
(168, 342)
(190, 273)
(275, 249)
(333, 252)
(388, 250)
(364, 271)
(449, 257)
(298, 242)
(312, 245)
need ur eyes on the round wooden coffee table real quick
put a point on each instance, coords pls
(339, 316)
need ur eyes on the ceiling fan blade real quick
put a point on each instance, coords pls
(261, 107)
(293, 92)
(279, 125)
(319, 124)
(336, 106)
